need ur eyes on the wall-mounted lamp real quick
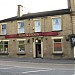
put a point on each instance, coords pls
(67, 38)
(46, 38)
(33, 39)
(14, 40)
(28, 41)
(36, 41)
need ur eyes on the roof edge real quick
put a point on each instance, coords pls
(38, 14)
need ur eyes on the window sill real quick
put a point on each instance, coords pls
(3, 35)
(4, 53)
(56, 30)
(20, 53)
(57, 53)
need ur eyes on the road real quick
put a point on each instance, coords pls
(30, 68)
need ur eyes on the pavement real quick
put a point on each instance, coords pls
(39, 60)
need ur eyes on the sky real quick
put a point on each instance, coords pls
(8, 8)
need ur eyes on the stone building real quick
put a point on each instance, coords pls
(48, 34)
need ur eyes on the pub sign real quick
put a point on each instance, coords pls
(72, 40)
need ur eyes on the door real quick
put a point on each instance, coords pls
(38, 48)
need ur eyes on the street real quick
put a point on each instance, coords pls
(30, 68)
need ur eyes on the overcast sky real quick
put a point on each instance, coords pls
(8, 8)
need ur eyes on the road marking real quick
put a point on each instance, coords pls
(13, 66)
(6, 68)
(30, 67)
(37, 71)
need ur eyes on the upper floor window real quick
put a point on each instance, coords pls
(56, 23)
(20, 27)
(3, 29)
(37, 26)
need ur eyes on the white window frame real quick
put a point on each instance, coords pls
(3, 45)
(18, 26)
(61, 43)
(19, 44)
(1, 28)
(21, 39)
(60, 22)
(35, 25)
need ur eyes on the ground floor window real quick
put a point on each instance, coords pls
(21, 46)
(3, 46)
(57, 45)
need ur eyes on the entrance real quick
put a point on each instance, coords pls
(38, 48)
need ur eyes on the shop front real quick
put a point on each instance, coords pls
(30, 43)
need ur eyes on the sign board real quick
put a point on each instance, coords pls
(32, 34)
(72, 39)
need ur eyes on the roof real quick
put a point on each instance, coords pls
(39, 14)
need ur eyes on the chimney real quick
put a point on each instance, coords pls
(20, 11)
(69, 4)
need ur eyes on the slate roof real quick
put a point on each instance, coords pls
(39, 14)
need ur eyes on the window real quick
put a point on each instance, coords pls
(3, 29)
(37, 26)
(56, 23)
(3, 46)
(21, 46)
(57, 45)
(20, 27)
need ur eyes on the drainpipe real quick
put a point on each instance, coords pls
(69, 7)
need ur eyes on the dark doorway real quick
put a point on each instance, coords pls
(38, 49)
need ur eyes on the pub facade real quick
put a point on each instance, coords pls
(38, 35)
